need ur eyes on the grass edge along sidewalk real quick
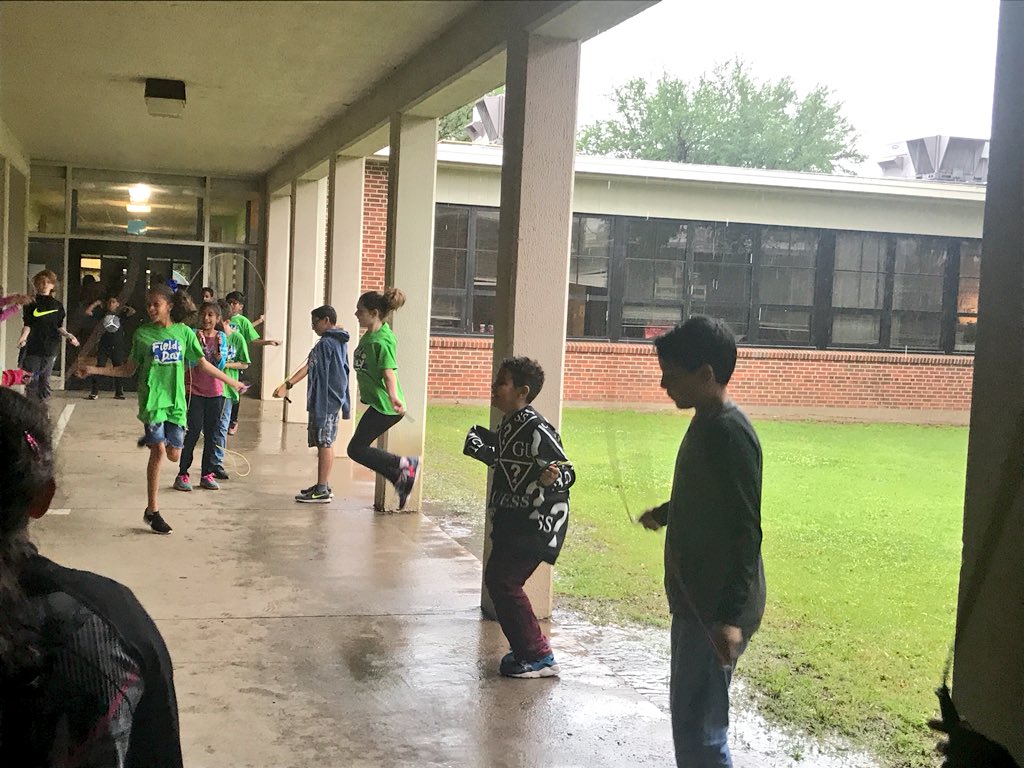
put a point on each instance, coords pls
(862, 536)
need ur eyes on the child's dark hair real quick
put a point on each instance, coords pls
(208, 289)
(326, 312)
(225, 309)
(700, 340)
(236, 296)
(525, 372)
(26, 443)
(383, 303)
(211, 306)
(183, 309)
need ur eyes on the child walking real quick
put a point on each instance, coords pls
(40, 338)
(238, 361)
(529, 508)
(111, 347)
(87, 680)
(205, 401)
(327, 369)
(714, 576)
(247, 329)
(160, 349)
(379, 389)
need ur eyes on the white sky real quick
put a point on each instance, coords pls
(903, 68)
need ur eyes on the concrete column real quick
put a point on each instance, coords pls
(345, 262)
(536, 222)
(305, 281)
(275, 301)
(412, 174)
(989, 676)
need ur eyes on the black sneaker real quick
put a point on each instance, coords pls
(119, 396)
(93, 396)
(220, 474)
(406, 480)
(156, 522)
(314, 496)
(312, 488)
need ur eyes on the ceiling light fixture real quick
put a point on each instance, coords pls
(139, 193)
(165, 98)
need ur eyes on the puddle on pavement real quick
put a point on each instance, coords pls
(640, 657)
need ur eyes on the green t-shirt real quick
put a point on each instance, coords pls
(161, 354)
(241, 324)
(238, 352)
(374, 355)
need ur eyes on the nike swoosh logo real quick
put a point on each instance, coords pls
(37, 313)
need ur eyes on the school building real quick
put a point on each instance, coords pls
(236, 145)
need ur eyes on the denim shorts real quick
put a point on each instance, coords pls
(322, 431)
(165, 432)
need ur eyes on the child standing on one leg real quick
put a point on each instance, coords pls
(529, 508)
(714, 576)
(241, 324)
(238, 361)
(159, 352)
(40, 338)
(205, 401)
(377, 376)
(326, 396)
(111, 346)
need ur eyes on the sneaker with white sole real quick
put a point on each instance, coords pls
(313, 488)
(408, 470)
(181, 482)
(209, 482)
(156, 522)
(318, 494)
(544, 667)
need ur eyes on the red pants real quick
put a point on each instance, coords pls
(504, 576)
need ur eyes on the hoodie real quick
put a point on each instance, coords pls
(328, 375)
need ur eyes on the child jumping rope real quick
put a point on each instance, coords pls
(377, 376)
(159, 352)
(238, 361)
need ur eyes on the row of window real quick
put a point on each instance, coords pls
(633, 278)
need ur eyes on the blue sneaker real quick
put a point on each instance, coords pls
(545, 667)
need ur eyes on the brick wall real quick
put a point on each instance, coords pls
(375, 224)
(460, 369)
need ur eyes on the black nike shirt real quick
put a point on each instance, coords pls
(45, 315)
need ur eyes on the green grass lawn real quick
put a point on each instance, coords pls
(861, 546)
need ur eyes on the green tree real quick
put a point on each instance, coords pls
(452, 127)
(726, 117)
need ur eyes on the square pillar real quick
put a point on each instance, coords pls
(412, 174)
(988, 677)
(345, 263)
(531, 297)
(305, 282)
(275, 301)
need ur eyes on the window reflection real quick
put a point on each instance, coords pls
(110, 203)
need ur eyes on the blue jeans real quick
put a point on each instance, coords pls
(220, 437)
(698, 698)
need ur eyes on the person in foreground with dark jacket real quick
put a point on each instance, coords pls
(327, 369)
(714, 576)
(85, 677)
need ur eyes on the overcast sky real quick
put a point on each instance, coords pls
(903, 68)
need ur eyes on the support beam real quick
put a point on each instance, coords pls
(533, 236)
(989, 677)
(275, 301)
(412, 174)
(305, 281)
(345, 262)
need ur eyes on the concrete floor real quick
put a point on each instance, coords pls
(326, 635)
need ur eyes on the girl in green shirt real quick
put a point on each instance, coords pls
(377, 377)
(160, 350)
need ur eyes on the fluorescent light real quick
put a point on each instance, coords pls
(139, 193)
(138, 208)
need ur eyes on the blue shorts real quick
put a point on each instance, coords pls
(165, 432)
(322, 431)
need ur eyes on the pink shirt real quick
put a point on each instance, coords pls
(198, 382)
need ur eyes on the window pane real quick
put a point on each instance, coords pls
(970, 274)
(858, 289)
(916, 329)
(234, 211)
(784, 325)
(723, 243)
(451, 227)
(595, 238)
(46, 199)
(670, 240)
(788, 247)
(966, 331)
(920, 256)
(783, 285)
(860, 252)
(921, 293)
(169, 207)
(639, 239)
(487, 230)
(587, 314)
(852, 327)
(737, 317)
(449, 268)
(720, 283)
(483, 313)
(647, 322)
(588, 271)
(447, 313)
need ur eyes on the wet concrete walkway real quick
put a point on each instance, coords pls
(326, 635)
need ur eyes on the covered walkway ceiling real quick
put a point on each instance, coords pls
(262, 79)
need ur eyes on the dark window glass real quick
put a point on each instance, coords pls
(917, 292)
(655, 289)
(641, 321)
(720, 284)
(451, 251)
(447, 312)
(967, 295)
(858, 288)
(590, 251)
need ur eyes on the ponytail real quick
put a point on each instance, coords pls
(183, 309)
(26, 443)
(383, 303)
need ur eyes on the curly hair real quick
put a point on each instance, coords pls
(525, 372)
